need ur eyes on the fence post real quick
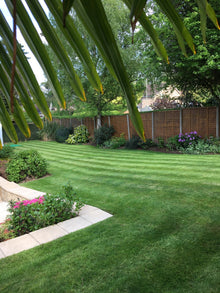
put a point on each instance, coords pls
(128, 125)
(81, 121)
(217, 122)
(109, 121)
(181, 120)
(94, 123)
(152, 126)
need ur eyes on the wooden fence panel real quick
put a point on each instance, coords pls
(166, 124)
(202, 120)
(120, 125)
(147, 123)
(89, 123)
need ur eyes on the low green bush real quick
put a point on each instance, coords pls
(31, 215)
(201, 147)
(81, 135)
(160, 142)
(149, 143)
(5, 232)
(104, 133)
(6, 152)
(115, 142)
(48, 132)
(26, 164)
(183, 141)
(62, 134)
(133, 143)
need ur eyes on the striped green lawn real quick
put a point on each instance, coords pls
(163, 237)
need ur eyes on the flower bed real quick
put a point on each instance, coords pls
(30, 215)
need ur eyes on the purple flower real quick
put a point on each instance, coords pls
(190, 143)
(193, 137)
(195, 132)
(179, 139)
(190, 138)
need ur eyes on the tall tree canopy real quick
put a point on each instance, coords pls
(94, 19)
(198, 75)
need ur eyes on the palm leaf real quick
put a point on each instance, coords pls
(76, 42)
(24, 68)
(206, 9)
(37, 47)
(18, 113)
(181, 32)
(7, 123)
(67, 4)
(136, 10)
(88, 24)
(57, 47)
(24, 97)
(147, 25)
(101, 30)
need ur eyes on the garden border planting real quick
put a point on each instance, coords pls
(88, 215)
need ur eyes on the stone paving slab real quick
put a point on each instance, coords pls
(87, 209)
(74, 224)
(1, 254)
(26, 192)
(96, 216)
(18, 244)
(48, 234)
(88, 215)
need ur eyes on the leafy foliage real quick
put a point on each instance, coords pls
(6, 151)
(133, 143)
(115, 142)
(5, 232)
(49, 131)
(203, 146)
(26, 164)
(196, 76)
(30, 215)
(62, 134)
(103, 134)
(81, 135)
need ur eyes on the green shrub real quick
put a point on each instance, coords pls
(160, 142)
(133, 143)
(49, 131)
(30, 215)
(6, 152)
(104, 133)
(26, 164)
(149, 143)
(81, 135)
(115, 142)
(62, 134)
(172, 143)
(201, 147)
(183, 141)
(5, 232)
